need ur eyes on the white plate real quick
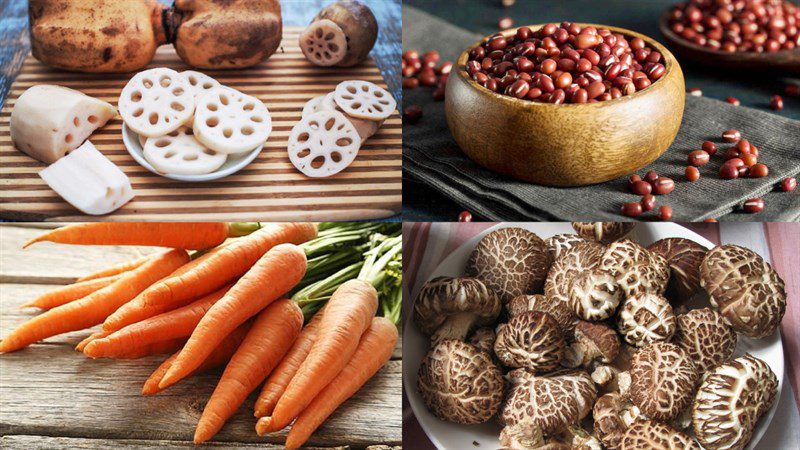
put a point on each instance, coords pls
(234, 163)
(450, 436)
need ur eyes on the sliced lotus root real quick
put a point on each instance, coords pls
(180, 153)
(200, 82)
(156, 102)
(366, 128)
(229, 121)
(142, 139)
(364, 100)
(323, 43)
(323, 144)
(313, 105)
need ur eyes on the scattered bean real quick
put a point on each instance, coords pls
(728, 172)
(698, 158)
(710, 148)
(412, 113)
(465, 216)
(410, 83)
(648, 202)
(632, 209)
(505, 23)
(731, 135)
(651, 176)
(753, 205)
(695, 92)
(692, 174)
(733, 101)
(641, 188)
(776, 102)
(788, 184)
(665, 212)
(758, 171)
(663, 186)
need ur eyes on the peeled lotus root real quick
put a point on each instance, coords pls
(323, 43)
(342, 34)
(156, 102)
(323, 144)
(364, 100)
(180, 153)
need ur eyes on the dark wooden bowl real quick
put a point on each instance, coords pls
(785, 62)
(568, 144)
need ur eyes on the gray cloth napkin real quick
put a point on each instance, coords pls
(431, 155)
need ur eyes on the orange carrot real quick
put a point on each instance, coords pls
(374, 349)
(209, 272)
(221, 355)
(69, 293)
(82, 344)
(186, 235)
(156, 348)
(270, 337)
(348, 314)
(94, 308)
(278, 271)
(169, 325)
(283, 374)
(115, 269)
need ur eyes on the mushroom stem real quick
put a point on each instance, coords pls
(457, 327)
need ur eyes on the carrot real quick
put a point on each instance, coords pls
(283, 374)
(82, 344)
(278, 271)
(156, 348)
(115, 269)
(271, 336)
(374, 349)
(186, 235)
(348, 314)
(94, 308)
(221, 355)
(169, 325)
(209, 272)
(70, 292)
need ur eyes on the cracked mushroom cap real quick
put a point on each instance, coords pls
(594, 342)
(636, 269)
(730, 400)
(646, 318)
(613, 414)
(706, 337)
(521, 436)
(459, 383)
(579, 258)
(663, 379)
(603, 232)
(553, 401)
(531, 340)
(449, 308)
(745, 289)
(560, 311)
(560, 243)
(684, 257)
(510, 261)
(651, 435)
(594, 295)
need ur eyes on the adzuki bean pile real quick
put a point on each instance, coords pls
(738, 25)
(565, 64)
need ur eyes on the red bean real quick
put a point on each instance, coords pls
(651, 176)
(465, 216)
(648, 202)
(663, 186)
(758, 171)
(728, 172)
(788, 184)
(731, 135)
(505, 23)
(632, 209)
(641, 188)
(710, 148)
(698, 158)
(410, 83)
(753, 205)
(665, 212)
(692, 173)
(412, 113)
(776, 102)
(749, 160)
(733, 101)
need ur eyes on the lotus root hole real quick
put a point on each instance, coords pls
(153, 118)
(68, 138)
(165, 81)
(318, 32)
(256, 119)
(173, 133)
(212, 106)
(189, 131)
(249, 107)
(303, 137)
(223, 99)
(192, 80)
(147, 83)
(330, 123)
(92, 119)
(176, 106)
(169, 154)
(336, 156)
(356, 105)
(351, 89)
(177, 92)
(327, 55)
(161, 143)
(303, 153)
(333, 47)
(212, 122)
(138, 112)
(207, 85)
(210, 152)
(365, 88)
(76, 121)
(378, 94)
(247, 131)
(227, 132)
(345, 141)
(136, 96)
(318, 162)
(190, 157)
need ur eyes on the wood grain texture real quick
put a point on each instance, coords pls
(49, 389)
(270, 188)
(569, 144)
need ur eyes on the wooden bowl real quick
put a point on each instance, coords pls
(784, 62)
(568, 144)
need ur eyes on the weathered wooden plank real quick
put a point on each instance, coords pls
(64, 443)
(51, 390)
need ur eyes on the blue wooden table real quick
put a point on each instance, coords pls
(421, 203)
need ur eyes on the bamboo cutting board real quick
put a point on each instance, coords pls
(269, 189)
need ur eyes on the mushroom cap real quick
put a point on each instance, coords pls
(706, 337)
(521, 436)
(483, 339)
(445, 297)
(745, 289)
(652, 435)
(559, 243)
(603, 232)
(579, 258)
(600, 341)
(531, 340)
(663, 379)
(730, 400)
(560, 311)
(684, 257)
(510, 261)
(594, 295)
(553, 401)
(646, 318)
(611, 414)
(459, 383)
(636, 269)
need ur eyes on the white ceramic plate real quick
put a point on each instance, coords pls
(452, 436)
(233, 164)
